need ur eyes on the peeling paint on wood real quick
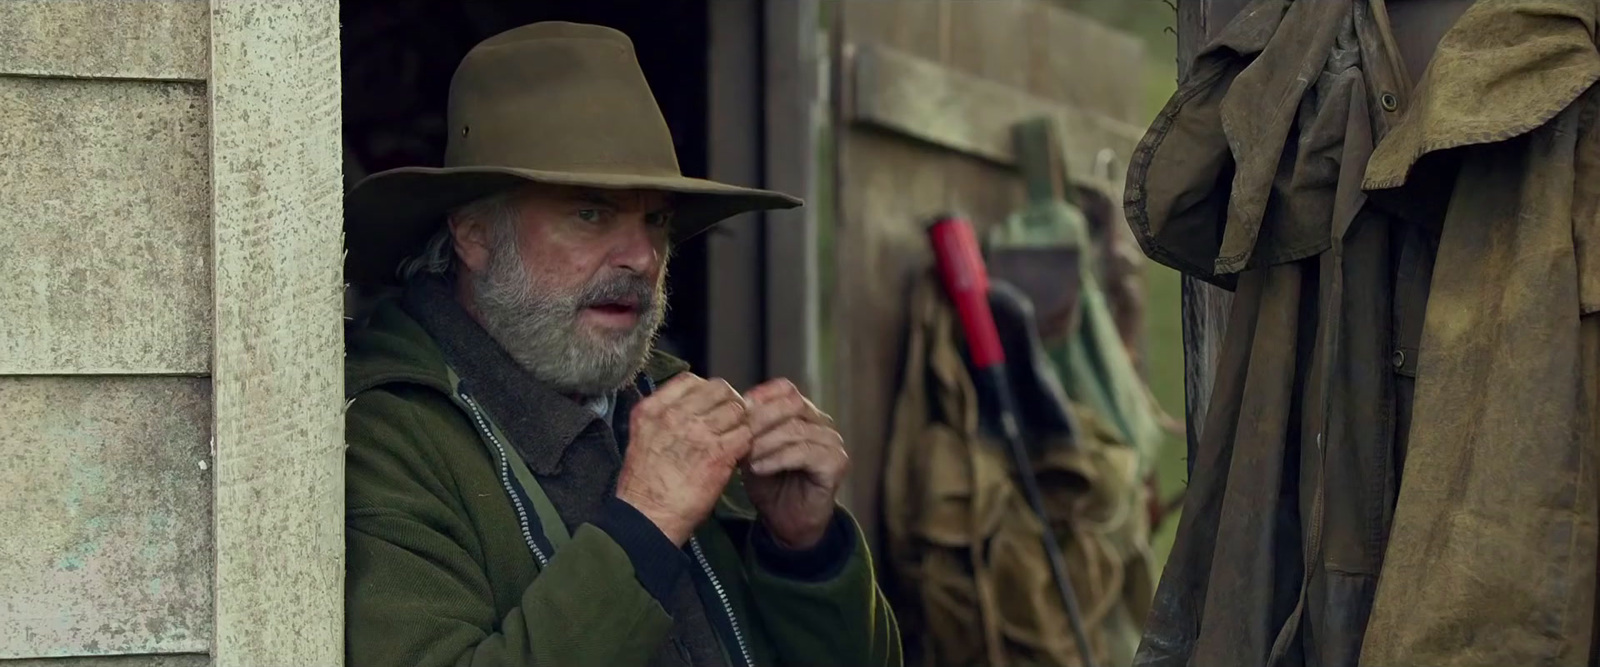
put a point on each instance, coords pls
(106, 206)
(278, 365)
(106, 516)
(142, 39)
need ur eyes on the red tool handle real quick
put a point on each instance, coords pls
(955, 251)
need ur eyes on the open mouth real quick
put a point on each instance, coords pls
(620, 307)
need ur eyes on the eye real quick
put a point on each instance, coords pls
(590, 214)
(659, 219)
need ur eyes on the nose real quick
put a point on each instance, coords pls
(638, 246)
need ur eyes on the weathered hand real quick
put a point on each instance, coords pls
(797, 462)
(687, 439)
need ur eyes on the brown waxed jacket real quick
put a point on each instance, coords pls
(1398, 462)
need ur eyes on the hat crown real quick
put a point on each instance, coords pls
(560, 97)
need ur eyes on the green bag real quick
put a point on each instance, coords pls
(1029, 250)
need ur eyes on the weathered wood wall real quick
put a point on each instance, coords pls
(105, 330)
(170, 360)
(926, 94)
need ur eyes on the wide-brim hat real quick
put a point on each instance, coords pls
(554, 103)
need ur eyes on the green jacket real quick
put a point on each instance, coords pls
(443, 520)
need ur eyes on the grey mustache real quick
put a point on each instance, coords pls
(629, 288)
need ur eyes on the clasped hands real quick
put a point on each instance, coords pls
(688, 437)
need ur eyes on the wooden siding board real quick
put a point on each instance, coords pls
(1078, 61)
(106, 516)
(929, 102)
(137, 39)
(106, 209)
(155, 660)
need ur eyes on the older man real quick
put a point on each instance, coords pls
(528, 482)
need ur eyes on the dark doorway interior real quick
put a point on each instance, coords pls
(398, 57)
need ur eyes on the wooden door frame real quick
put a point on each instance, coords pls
(761, 270)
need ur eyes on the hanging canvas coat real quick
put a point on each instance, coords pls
(1398, 462)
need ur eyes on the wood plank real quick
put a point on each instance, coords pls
(985, 45)
(887, 194)
(106, 516)
(108, 239)
(1081, 62)
(855, 305)
(148, 39)
(167, 660)
(982, 192)
(918, 27)
(929, 102)
(279, 363)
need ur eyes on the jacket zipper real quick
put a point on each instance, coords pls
(722, 594)
(648, 386)
(505, 480)
(705, 566)
(527, 533)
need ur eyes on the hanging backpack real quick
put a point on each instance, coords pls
(962, 545)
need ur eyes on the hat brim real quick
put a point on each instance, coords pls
(390, 215)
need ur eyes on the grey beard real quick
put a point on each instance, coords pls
(538, 325)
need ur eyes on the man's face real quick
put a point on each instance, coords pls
(574, 289)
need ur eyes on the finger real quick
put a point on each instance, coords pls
(824, 464)
(785, 434)
(769, 412)
(802, 435)
(726, 417)
(714, 392)
(818, 417)
(679, 386)
(671, 392)
(735, 443)
(767, 416)
(772, 389)
(795, 457)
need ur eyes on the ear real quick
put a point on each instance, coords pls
(471, 241)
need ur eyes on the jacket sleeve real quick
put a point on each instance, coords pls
(417, 592)
(832, 615)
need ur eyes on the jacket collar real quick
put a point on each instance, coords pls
(1502, 70)
(540, 421)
